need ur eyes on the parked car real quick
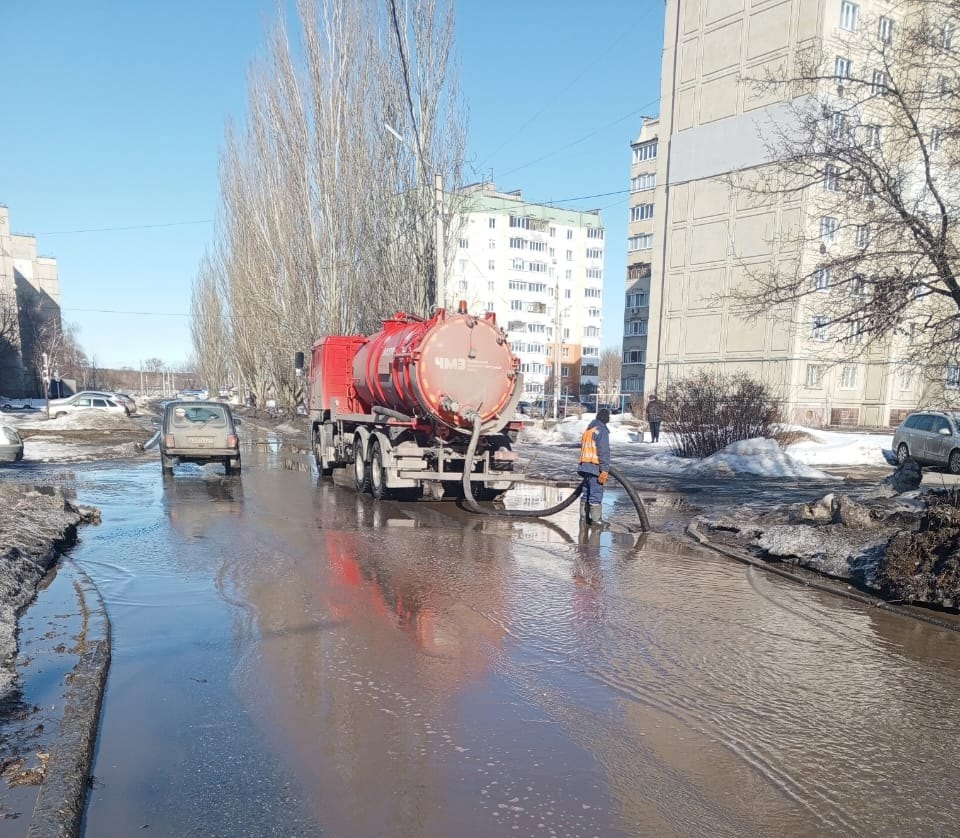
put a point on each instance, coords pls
(86, 401)
(127, 401)
(613, 408)
(11, 445)
(199, 432)
(120, 398)
(931, 437)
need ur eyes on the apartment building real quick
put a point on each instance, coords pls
(540, 269)
(708, 238)
(29, 297)
(636, 315)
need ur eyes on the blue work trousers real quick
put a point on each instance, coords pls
(592, 490)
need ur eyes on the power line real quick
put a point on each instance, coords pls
(406, 85)
(137, 313)
(131, 227)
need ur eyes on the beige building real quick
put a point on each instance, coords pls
(636, 315)
(708, 238)
(540, 269)
(29, 297)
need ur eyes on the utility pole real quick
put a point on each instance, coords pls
(440, 255)
(557, 354)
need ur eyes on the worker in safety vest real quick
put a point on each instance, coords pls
(594, 467)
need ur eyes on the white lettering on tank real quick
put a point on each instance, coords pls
(450, 363)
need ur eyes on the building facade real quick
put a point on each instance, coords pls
(710, 238)
(540, 269)
(29, 299)
(636, 315)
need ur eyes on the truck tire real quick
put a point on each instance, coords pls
(378, 474)
(361, 471)
(318, 448)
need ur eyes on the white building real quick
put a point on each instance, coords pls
(540, 269)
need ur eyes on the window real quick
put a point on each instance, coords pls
(464, 285)
(828, 229)
(518, 243)
(821, 279)
(516, 305)
(591, 332)
(819, 328)
(517, 221)
(906, 379)
(594, 253)
(863, 236)
(854, 332)
(594, 273)
(859, 285)
(642, 182)
(635, 356)
(564, 372)
(569, 255)
(491, 265)
(814, 375)
(636, 328)
(645, 151)
(638, 299)
(592, 293)
(943, 86)
(537, 267)
(848, 377)
(492, 244)
(871, 136)
(595, 232)
(464, 244)
(936, 138)
(463, 269)
(490, 306)
(831, 178)
(842, 67)
(491, 286)
(492, 223)
(879, 85)
(641, 212)
(539, 247)
(567, 293)
(946, 36)
(849, 16)
(642, 242)
(517, 264)
(553, 231)
(593, 312)
(838, 125)
(569, 234)
(885, 30)
(953, 376)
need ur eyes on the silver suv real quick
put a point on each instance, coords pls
(931, 437)
(199, 432)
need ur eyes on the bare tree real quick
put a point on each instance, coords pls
(610, 363)
(10, 363)
(328, 220)
(868, 155)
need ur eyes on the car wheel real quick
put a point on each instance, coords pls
(58, 415)
(902, 452)
(953, 464)
(166, 465)
(378, 477)
(361, 471)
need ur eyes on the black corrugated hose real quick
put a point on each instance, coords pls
(473, 506)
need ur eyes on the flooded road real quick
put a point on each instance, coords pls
(292, 659)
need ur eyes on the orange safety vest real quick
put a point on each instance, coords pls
(588, 447)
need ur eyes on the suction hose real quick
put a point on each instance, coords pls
(473, 506)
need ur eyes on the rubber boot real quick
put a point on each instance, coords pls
(584, 516)
(596, 515)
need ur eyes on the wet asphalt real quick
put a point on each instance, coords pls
(290, 658)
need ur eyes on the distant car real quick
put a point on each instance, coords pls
(11, 406)
(127, 401)
(613, 408)
(199, 432)
(931, 437)
(86, 401)
(198, 395)
(11, 446)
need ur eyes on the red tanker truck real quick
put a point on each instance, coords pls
(403, 408)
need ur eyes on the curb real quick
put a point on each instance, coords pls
(63, 794)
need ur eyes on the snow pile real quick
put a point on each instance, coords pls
(762, 457)
(622, 429)
(84, 420)
(834, 448)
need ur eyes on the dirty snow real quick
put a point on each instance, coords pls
(82, 420)
(762, 457)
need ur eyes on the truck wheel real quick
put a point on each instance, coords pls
(325, 471)
(361, 471)
(378, 477)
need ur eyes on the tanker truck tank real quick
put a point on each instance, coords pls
(450, 368)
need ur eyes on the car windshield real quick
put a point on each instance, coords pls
(185, 416)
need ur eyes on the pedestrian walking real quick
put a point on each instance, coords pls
(594, 468)
(654, 417)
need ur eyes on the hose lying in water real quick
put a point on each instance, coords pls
(473, 506)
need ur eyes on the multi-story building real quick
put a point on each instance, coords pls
(29, 298)
(710, 239)
(540, 269)
(636, 316)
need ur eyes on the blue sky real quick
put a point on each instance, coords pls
(114, 118)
